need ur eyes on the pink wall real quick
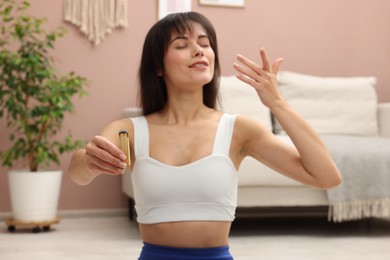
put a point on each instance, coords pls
(320, 37)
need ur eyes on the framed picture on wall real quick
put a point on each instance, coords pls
(229, 3)
(173, 6)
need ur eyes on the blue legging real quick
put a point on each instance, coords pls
(156, 252)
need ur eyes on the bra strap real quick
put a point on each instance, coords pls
(224, 134)
(141, 136)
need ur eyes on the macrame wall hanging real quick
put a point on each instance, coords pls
(96, 18)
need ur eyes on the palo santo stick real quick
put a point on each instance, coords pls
(125, 146)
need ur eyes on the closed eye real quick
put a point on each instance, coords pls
(181, 41)
(204, 41)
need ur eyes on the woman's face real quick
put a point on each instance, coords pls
(189, 60)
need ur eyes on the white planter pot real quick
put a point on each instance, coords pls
(34, 195)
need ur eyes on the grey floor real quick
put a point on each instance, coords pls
(116, 238)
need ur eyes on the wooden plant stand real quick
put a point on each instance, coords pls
(36, 226)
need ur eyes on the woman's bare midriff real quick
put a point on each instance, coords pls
(191, 234)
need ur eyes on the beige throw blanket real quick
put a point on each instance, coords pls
(364, 163)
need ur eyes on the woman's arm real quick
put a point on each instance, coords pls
(101, 156)
(310, 163)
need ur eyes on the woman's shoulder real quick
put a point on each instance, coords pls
(115, 126)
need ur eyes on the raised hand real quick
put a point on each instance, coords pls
(263, 79)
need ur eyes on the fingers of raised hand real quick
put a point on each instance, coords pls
(275, 67)
(250, 64)
(250, 72)
(103, 156)
(266, 64)
(264, 59)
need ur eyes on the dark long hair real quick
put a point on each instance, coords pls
(153, 91)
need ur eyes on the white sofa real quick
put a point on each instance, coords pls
(264, 192)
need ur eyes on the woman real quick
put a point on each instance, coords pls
(186, 154)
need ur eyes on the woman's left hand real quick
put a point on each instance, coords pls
(263, 79)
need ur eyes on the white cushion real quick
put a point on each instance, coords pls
(280, 196)
(332, 105)
(238, 97)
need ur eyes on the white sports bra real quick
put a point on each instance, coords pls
(204, 190)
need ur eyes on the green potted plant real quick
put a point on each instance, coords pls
(34, 99)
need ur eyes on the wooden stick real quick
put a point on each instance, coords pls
(125, 145)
